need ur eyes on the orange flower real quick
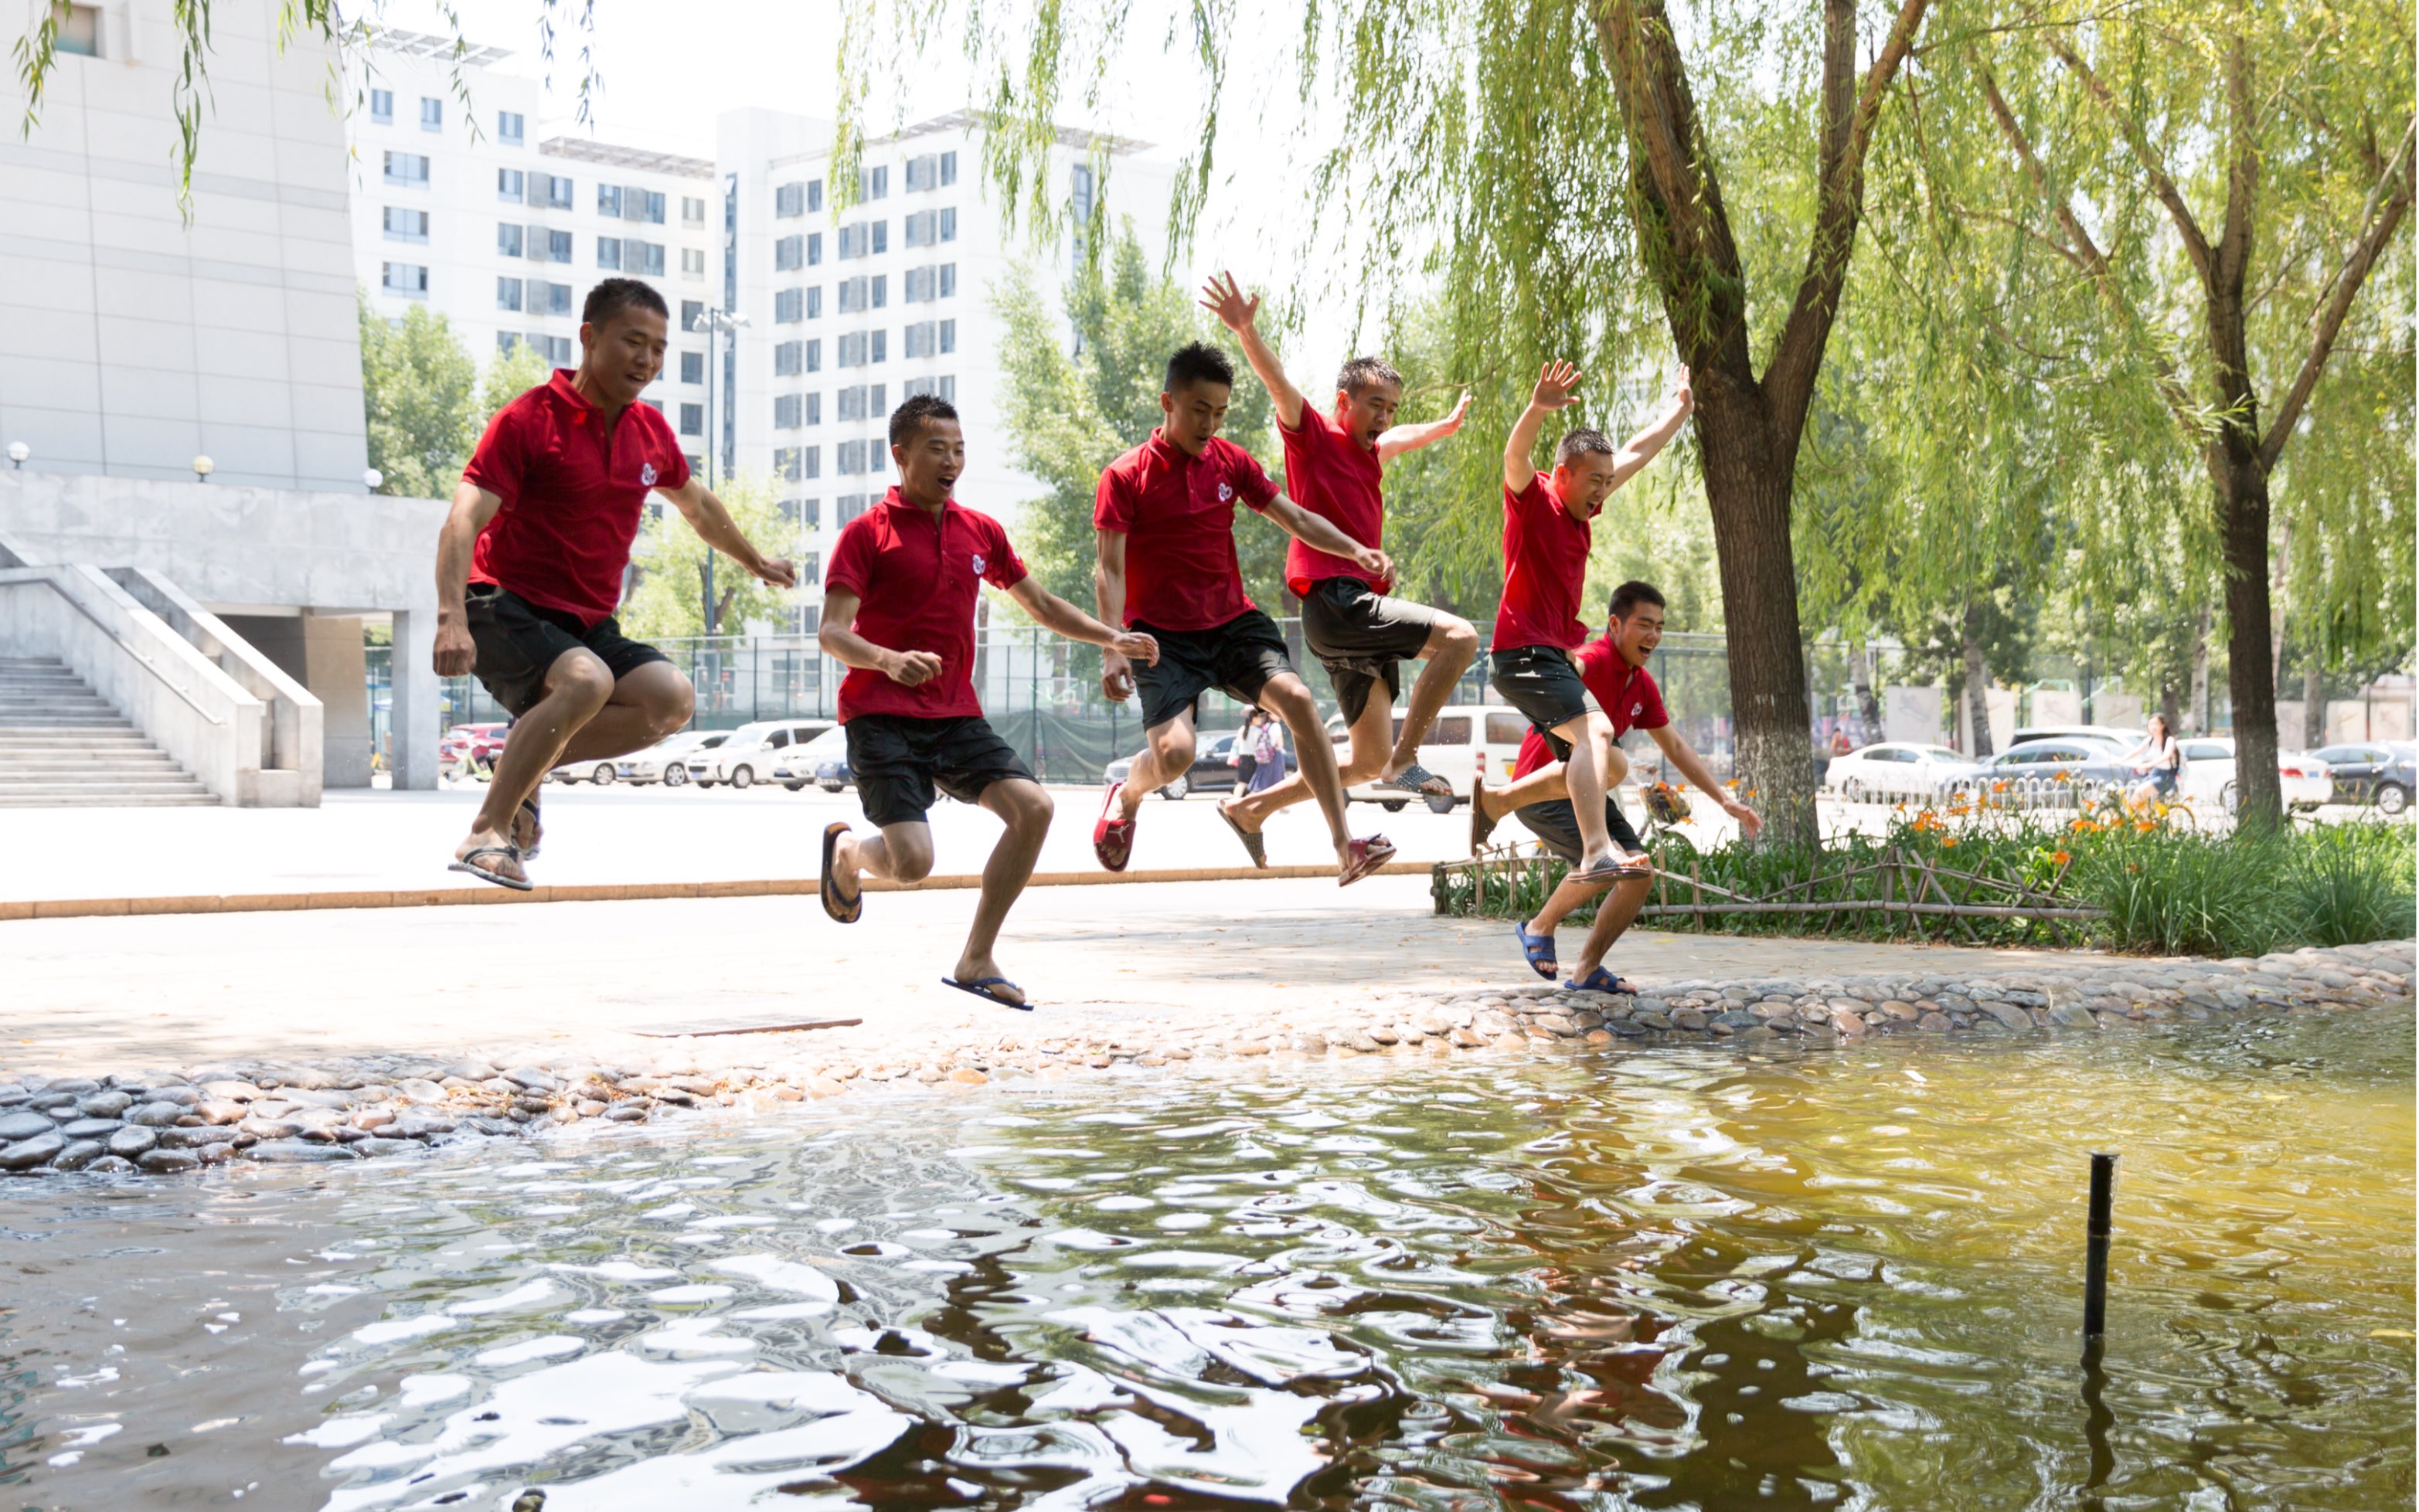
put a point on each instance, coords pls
(1999, 787)
(2060, 858)
(1949, 843)
(2083, 827)
(2145, 826)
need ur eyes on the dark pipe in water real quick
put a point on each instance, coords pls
(2095, 1272)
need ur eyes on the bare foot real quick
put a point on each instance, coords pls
(501, 861)
(971, 970)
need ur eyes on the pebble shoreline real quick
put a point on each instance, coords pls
(166, 1122)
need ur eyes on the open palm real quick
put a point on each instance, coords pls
(1557, 386)
(1233, 308)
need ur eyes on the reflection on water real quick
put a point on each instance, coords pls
(1672, 1278)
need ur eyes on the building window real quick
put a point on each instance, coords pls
(785, 412)
(645, 205)
(786, 357)
(815, 408)
(788, 306)
(873, 184)
(810, 511)
(557, 246)
(608, 253)
(852, 350)
(409, 170)
(410, 280)
(948, 169)
(852, 295)
(432, 113)
(923, 173)
(644, 257)
(550, 191)
(789, 253)
(692, 212)
(790, 201)
(851, 460)
(509, 241)
(815, 355)
(852, 403)
(1083, 212)
(881, 290)
(558, 349)
(921, 229)
(917, 340)
(948, 224)
(381, 106)
(847, 507)
(786, 467)
(609, 201)
(508, 293)
(949, 337)
(692, 420)
(508, 184)
(558, 298)
(877, 349)
(508, 127)
(507, 343)
(814, 196)
(814, 248)
(949, 280)
(692, 367)
(406, 225)
(692, 310)
(693, 262)
(916, 286)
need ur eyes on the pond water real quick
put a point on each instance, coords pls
(1681, 1277)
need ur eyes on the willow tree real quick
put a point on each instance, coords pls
(1543, 162)
(2224, 177)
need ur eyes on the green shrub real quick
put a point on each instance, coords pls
(2171, 894)
(2352, 882)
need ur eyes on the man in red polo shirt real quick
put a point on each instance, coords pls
(1547, 529)
(530, 565)
(899, 611)
(1334, 467)
(1166, 515)
(1613, 668)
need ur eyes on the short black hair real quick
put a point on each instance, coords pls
(1626, 598)
(1578, 443)
(907, 420)
(1199, 362)
(1362, 372)
(615, 295)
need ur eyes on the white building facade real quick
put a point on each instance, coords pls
(460, 206)
(849, 313)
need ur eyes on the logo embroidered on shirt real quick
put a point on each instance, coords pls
(647, 474)
(979, 564)
(1635, 710)
(1226, 492)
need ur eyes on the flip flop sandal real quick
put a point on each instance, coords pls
(1363, 857)
(1480, 825)
(1612, 871)
(1419, 782)
(843, 911)
(981, 988)
(470, 865)
(1112, 842)
(1252, 840)
(537, 828)
(1539, 949)
(1598, 980)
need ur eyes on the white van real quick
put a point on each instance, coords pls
(1465, 739)
(752, 751)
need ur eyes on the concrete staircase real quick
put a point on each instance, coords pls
(62, 745)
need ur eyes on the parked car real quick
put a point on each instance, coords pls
(802, 764)
(2123, 740)
(466, 748)
(666, 761)
(2085, 761)
(600, 773)
(752, 751)
(2384, 772)
(1211, 769)
(1895, 767)
(1465, 739)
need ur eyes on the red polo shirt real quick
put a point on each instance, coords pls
(1627, 695)
(1544, 568)
(1335, 478)
(1177, 512)
(571, 495)
(917, 580)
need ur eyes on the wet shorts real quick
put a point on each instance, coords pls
(1237, 658)
(518, 643)
(1542, 682)
(898, 761)
(1361, 636)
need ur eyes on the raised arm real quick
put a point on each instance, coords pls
(714, 526)
(474, 507)
(1054, 613)
(1642, 447)
(839, 638)
(1321, 534)
(1401, 438)
(1239, 313)
(1557, 389)
(1692, 766)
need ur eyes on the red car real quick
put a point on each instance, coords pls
(471, 747)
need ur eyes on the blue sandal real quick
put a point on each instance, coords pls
(1599, 980)
(982, 987)
(1539, 949)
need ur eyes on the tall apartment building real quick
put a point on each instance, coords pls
(463, 208)
(849, 313)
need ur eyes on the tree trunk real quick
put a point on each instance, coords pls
(1861, 672)
(2170, 706)
(1978, 683)
(2242, 529)
(2314, 705)
(2200, 672)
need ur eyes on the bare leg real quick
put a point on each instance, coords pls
(1448, 653)
(1026, 809)
(902, 852)
(1586, 772)
(1543, 785)
(577, 686)
(1628, 896)
(1166, 755)
(1317, 773)
(648, 703)
(1567, 896)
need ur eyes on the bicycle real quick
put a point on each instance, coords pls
(2116, 807)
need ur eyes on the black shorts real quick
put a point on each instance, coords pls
(1556, 825)
(518, 643)
(1543, 682)
(898, 761)
(1361, 636)
(1237, 658)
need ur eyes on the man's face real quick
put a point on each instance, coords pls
(1366, 412)
(1637, 637)
(625, 354)
(1195, 412)
(930, 463)
(1587, 478)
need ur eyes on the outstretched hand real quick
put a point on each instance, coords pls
(1453, 423)
(1233, 308)
(1682, 393)
(1557, 385)
(1750, 822)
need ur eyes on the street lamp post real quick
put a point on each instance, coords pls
(713, 323)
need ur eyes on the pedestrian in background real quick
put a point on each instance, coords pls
(1243, 755)
(1267, 755)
